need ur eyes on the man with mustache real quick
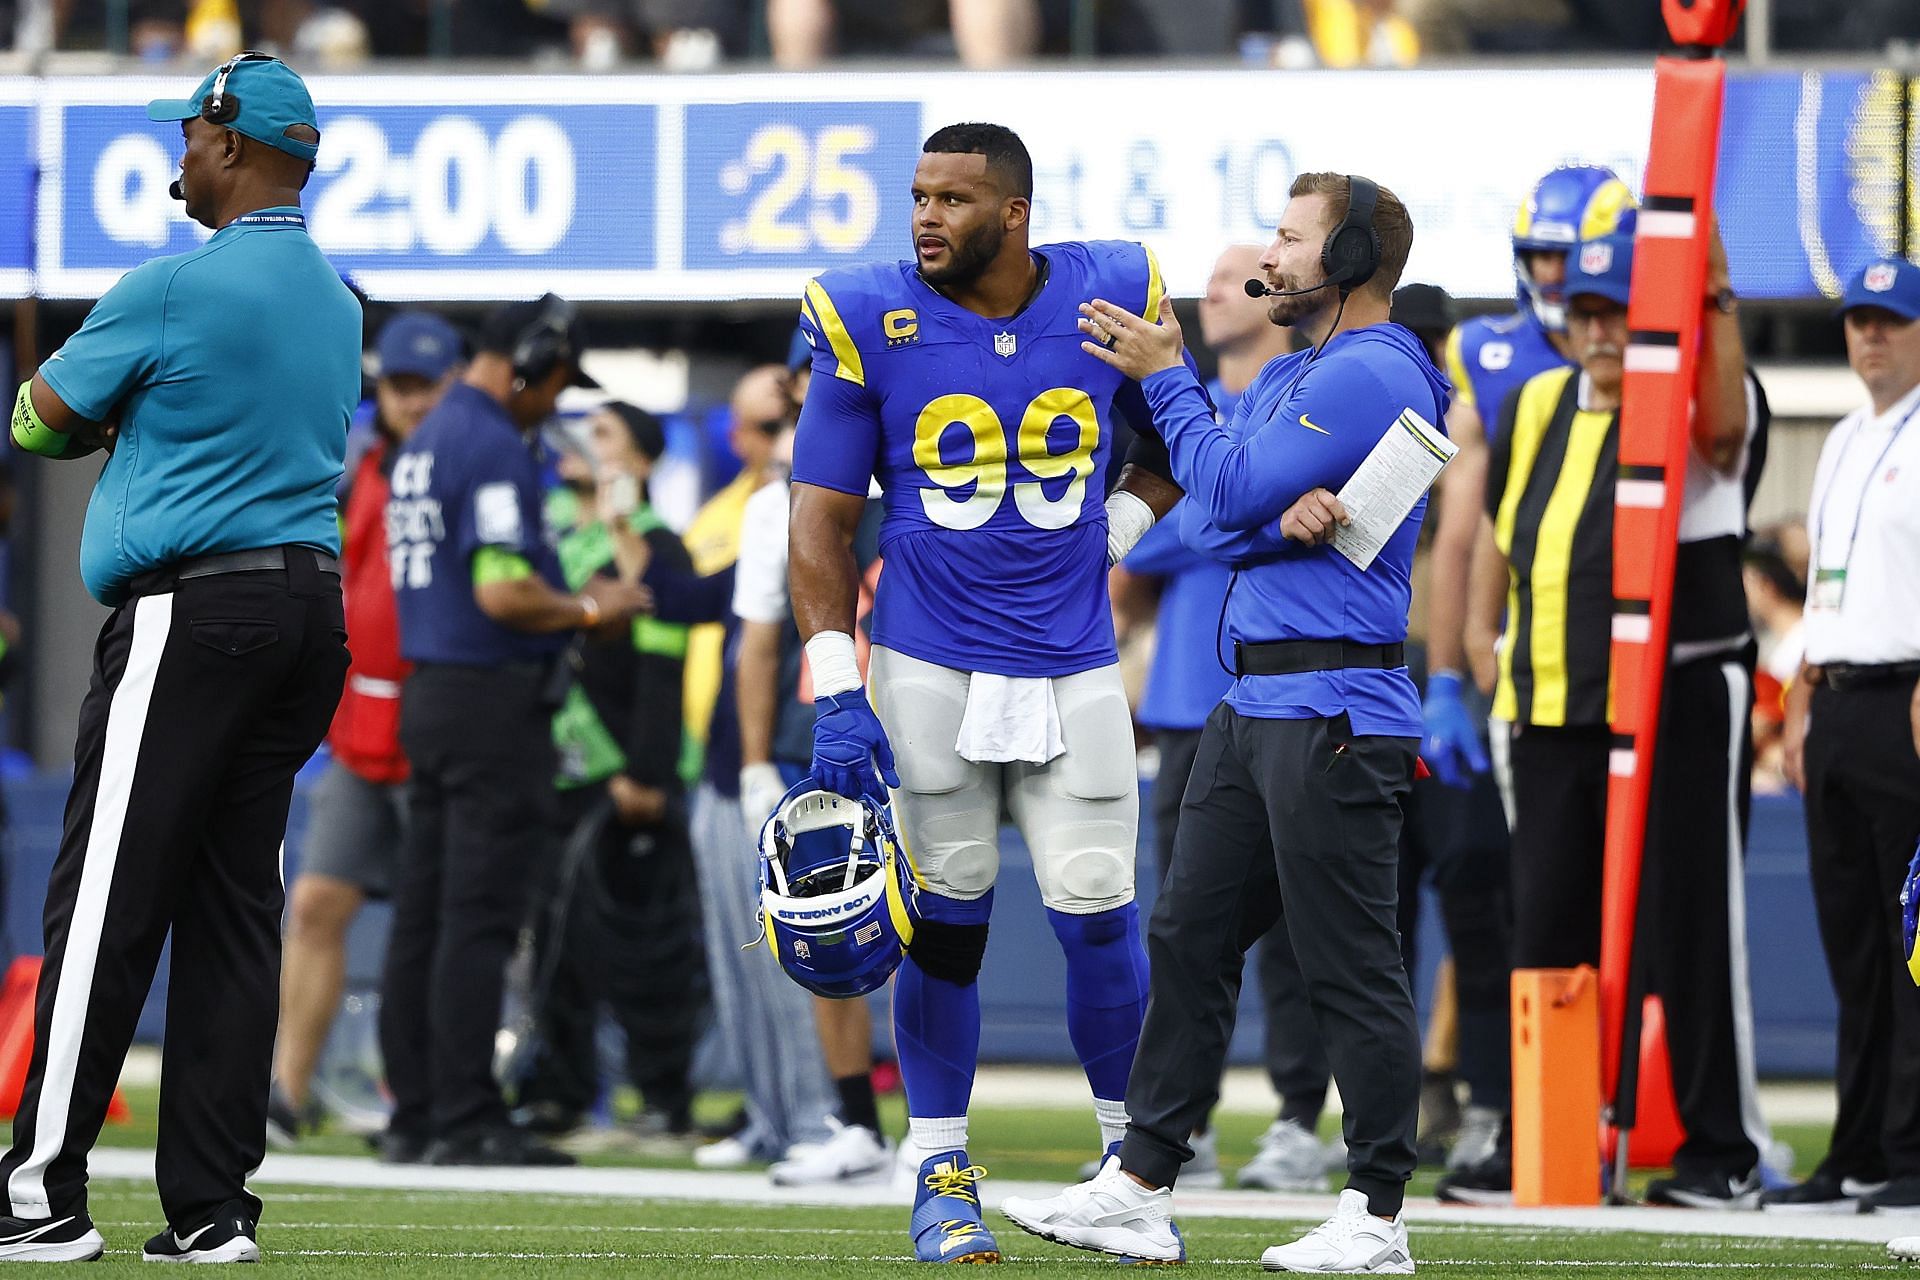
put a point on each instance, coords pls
(1545, 556)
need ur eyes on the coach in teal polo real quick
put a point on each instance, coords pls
(220, 383)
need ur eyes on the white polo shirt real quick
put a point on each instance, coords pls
(760, 575)
(1863, 578)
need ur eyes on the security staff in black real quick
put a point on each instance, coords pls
(484, 617)
(221, 381)
(1546, 559)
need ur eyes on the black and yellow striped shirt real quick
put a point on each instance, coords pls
(1550, 490)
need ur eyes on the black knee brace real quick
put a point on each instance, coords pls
(949, 952)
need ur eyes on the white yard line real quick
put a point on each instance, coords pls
(753, 1188)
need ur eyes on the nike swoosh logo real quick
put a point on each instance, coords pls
(1310, 425)
(26, 1237)
(186, 1242)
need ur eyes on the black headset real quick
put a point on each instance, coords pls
(221, 107)
(1351, 253)
(546, 341)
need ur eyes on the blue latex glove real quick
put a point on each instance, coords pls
(1910, 914)
(847, 744)
(1452, 747)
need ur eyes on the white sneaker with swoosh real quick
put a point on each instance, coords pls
(1109, 1214)
(68, 1239)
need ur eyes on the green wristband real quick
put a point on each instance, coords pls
(29, 432)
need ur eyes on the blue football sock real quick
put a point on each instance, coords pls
(1106, 992)
(936, 1023)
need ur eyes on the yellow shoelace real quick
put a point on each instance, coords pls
(956, 1182)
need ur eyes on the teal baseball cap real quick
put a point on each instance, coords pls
(252, 93)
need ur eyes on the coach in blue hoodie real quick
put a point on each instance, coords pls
(1315, 742)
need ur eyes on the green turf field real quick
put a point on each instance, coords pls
(332, 1231)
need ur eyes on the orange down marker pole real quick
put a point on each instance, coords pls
(1669, 283)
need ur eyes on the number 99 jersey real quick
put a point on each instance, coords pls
(990, 439)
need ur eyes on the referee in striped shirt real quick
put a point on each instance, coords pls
(1545, 557)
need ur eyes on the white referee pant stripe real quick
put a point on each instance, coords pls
(1739, 697)
(126, 727)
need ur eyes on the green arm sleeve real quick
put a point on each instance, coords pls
(493, 564)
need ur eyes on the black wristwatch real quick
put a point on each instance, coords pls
(1725, 301)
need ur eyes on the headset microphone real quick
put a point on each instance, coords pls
(1255, 289)
(174, 190)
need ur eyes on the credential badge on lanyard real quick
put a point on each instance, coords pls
(1829, 589)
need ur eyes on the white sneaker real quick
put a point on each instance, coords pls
(728, 1153)
(1479, 1134)
(1203, 1171)
(1289, 1159)
(1110, 1214)
(851, 1153)
(1351, 1242)
(1904, 1248)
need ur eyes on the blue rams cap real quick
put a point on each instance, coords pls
(1892, 284)
(419, 343)
(269, 96)
(1603, 266)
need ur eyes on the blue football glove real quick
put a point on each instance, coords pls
(848, 742)
(1452, 747)
(1910, 914)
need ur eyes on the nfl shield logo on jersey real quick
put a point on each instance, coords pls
(1879, 278)
(1003, 344)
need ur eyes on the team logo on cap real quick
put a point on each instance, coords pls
(1880, 277)
(1596, 258)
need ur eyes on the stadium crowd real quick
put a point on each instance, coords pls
(703, 34)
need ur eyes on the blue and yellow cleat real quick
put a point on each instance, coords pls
(947, 1226)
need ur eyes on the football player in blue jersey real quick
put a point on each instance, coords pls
(956, 379)
(1488, 359)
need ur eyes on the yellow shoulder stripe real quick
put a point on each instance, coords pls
(1457, 371)
(1530, 421)
(1156, 288)
(845, 353)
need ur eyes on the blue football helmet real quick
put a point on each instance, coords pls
(1572, 203)
(837, 900)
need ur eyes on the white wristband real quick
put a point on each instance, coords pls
(830, 658)
(1128, 519)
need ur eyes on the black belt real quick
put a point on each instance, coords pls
(255, 560)
(1293, 657)
(1842, 676)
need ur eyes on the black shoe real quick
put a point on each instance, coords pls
(228, 1236)
(502, 1145)
(286, 1123)
(1706, 1190)
(1487, 1182)
(399, 1146)
(68, 1239)
(1900, 1195)
(550, 1119)
(1821, 1193)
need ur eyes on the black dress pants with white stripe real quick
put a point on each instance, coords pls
(207, 697)
(1692, 941)
(1863, 817)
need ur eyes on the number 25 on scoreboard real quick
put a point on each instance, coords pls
(986, 466)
